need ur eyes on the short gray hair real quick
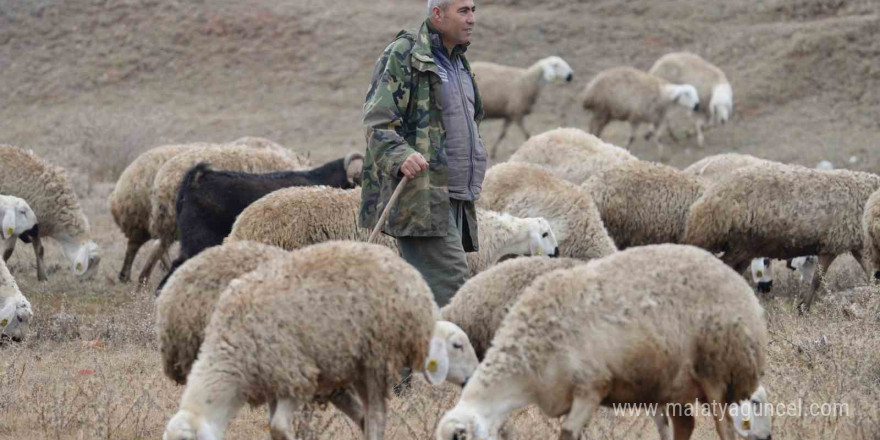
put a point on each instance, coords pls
(442, 4)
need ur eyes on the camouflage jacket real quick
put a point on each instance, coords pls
(401, 116)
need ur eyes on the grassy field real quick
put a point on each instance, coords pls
(89, 85)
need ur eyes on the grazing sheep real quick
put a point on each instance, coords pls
(571, 154)
(166, 185)
(783, 211)
(130, 199)
(482, 302)
(510, 92)
(871, 233)
(717, 167)
(711, 84)
(296, 217)
(354, 315)
(18, 221)
(48, 191)
(210, 200)
(627, 94)
(15, 309)
(644, 202)
(664, 324)
(530, 191)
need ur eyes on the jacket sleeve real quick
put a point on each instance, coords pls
(385, 107)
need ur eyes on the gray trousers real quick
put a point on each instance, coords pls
(440, 260)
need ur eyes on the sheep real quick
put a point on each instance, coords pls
(354, 315)
(510, 92)
(15, 310)
(130, 200)
(783, 211)
(209, 200)
(48, 191)
(664, 324)
(717, 167)
(644, 202)
(482, 302)
(571, 154)
(628, 94)
(711, 84)
(166, 185)
(295, 217)
(18, 221)
(871, 234)
(529, 190)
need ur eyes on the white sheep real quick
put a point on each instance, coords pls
(711, 84)
(571, 154)
(644, 202)
(510, 92)
(783, 211)
(352, 314)
(717, 167)
(871, 234)
(628, 94)
(531, 191)
(48, 191)
(166, 185)
(18, 220)
(130, 200)
(15, 309)
(295, 217)
(660, 324)
(483, 301)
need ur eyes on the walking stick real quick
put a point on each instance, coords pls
(394, 196)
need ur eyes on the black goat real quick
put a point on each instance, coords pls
(209, 201)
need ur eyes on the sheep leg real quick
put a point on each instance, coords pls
(582, 408)
(372, 390)
(281, 418)
(823, 264)
(9, 248)
(503, 132)
(857, 254)
(660, 128)
(597, 124)
(519, 123)
(715, 399)
(662, 424)
(151, 261)
(38, 252)
(350, 404)
(131, 250)
(699, 124)
(682, 426)
(633, 128)
(165, 261)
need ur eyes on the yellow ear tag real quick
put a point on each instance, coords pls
(760, 273)
(3, 322)
(10, 230)
(432, 366)
(540, 253)
(79, 266)
(747, 424)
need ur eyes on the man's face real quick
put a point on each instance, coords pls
(456, 22)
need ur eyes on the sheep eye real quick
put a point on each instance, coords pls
(545, 235)
(457, 345)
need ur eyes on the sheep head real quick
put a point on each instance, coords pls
(555, 67)
(451, 357)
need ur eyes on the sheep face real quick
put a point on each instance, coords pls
(686, 96)
(542, 240)
(187, 426)
(721, 104)
(15, 318)
(87, 259)
(17, 218)
(555, 67)
(451, 357)
(762, 274)
(461, 424)
(751, 418)
(805, 265)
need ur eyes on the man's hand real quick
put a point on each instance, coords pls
(413, 165)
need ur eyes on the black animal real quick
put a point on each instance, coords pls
(209, 201)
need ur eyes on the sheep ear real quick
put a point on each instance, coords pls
(81, 263)
(354, 166)
(8, 223)
(437, 364)
(741, 422)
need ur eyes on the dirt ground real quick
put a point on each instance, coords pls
(89, 84)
